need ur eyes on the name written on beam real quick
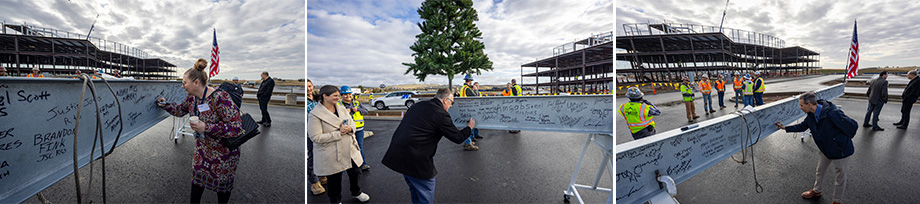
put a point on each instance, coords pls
(37, 118)
(581, 113)
(683, 154)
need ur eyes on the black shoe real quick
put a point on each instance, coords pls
(878, 128)
(478, 137)
(867, 125)
(903, 127)
(267, 124)
(897, 124)
(261, 121)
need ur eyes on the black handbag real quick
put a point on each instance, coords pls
(250, 130)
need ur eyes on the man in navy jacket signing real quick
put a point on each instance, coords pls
(827, 124)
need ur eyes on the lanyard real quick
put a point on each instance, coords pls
(197, 113)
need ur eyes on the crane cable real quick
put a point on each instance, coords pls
(98, 136)
(757, 187)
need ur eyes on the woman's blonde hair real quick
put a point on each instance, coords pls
(197, 72)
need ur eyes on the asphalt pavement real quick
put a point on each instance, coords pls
(151, 168)
(529, 167)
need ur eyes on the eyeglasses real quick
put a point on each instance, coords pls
(451, 101)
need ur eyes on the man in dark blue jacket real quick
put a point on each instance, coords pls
(908, 98)
(827, 124)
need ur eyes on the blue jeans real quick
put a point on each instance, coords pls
(759, 97)
(474, 133)
(721, 96)
(748, 100)
(707, 102)
(359, 136)
(311, 177)
(422, 190)
(738, 96)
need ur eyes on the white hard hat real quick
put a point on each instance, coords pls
(757, 73)
(236, 78)
(34, 68)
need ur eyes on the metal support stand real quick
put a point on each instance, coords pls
(179, 127)
(605, 142)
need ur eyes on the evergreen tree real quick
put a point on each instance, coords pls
(449, 43)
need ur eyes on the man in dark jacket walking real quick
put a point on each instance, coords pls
(415, 143)
(878, 96)
(909, 96)
(264, 95)
(826, 123)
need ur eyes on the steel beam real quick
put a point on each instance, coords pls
(572, 113)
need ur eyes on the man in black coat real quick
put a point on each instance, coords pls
(828, 129)
(264, 95)
(878, 96)
(909, 96)
(415, 143)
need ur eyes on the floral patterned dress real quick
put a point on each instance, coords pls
(214, 165)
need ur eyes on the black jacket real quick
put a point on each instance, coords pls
(878, 91)
(912, 91)
(827, 131)
(416, 139)
(266, 88)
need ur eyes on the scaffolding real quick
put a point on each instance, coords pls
(582, 66)
(23, 47)
(662, 52)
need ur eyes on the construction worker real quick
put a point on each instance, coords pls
(470, 142)
(737, 80)
(686, 90)
(516, 91)
(758, 88)
(748, 90)
(357, 114)
(468, 91)
(2, 70)
(35, 73)
(638, 114)
(706, 90)
(507, 91)
(720, 88)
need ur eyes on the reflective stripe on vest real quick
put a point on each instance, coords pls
(738, 82)
(463, 90)
(687, 92)
(720, 85)
(748, 88)
(761, 88)
(635, 114)
(356, 116)
(705, 88)
(33, 76)
(518, 89)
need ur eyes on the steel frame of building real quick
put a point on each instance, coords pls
(656, 51)
(584, 66)
(62, 53)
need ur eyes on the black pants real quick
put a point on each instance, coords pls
(648, 131)
(334, 188)
(263, 105)
(905, 112)
(198, 190)
(873, 110)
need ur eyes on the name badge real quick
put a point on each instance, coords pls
(203, 107)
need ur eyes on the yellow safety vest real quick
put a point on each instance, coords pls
(463, 90)
(356, 115)
(637, 116)
(761, 88)
(686, 91)
(748, 88)
(518, 89)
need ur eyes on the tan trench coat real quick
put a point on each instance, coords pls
(332, 151)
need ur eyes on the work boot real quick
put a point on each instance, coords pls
(469, 147)
(317, 188)
(322, 180)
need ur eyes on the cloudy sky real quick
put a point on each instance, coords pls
(887, 30)
(365, 42)
(254, 36)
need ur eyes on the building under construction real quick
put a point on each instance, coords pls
(664, 52)
(583, 66)
(61, 53)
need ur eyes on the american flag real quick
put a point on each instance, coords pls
(215, 57)
(853, 66)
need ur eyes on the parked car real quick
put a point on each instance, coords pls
(396, 98)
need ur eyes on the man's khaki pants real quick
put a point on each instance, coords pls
(840, 184)
(691, 109)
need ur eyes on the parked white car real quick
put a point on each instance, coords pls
(396, 98)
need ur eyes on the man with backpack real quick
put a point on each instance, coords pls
(832, 132)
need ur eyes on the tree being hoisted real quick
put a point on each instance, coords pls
(449, 43)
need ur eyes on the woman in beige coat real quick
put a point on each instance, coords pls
(332, 130)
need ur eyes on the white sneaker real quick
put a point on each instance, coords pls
(363, 197)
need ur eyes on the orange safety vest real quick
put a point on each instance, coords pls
(720, 85)
(705, 88)
(33, 76)
(507, 92)
(738, 82)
